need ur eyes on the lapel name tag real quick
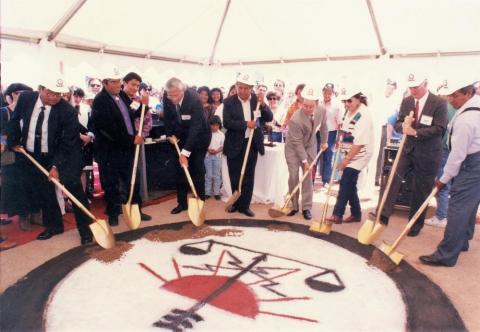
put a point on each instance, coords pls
(134, 105)
(186, 117)
(426, 120)
(256, 114)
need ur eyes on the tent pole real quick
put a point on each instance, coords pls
(52, 34)
(383, 51)
(219, 31)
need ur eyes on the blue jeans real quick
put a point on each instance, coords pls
(327, 157)
(277, 136)
(213, 176)
(442, 196)
(348, 194)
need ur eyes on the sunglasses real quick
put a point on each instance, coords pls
(95, 85)
(272, 98)
(348, 100)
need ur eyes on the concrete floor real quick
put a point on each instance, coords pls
(459, 283)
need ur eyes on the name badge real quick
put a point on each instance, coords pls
(134, 105)
(186, 117)
(256, 114)
(426, 120)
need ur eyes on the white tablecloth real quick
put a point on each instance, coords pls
(271, 177)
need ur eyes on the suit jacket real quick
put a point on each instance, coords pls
(301, 141)
(235, 123)
(192, 129)
(428, 143)
(110, 131)
(64, 143)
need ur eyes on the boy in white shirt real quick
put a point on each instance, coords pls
(213, 159)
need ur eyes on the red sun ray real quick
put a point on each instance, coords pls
(275, 277)
(219, 262)
(289, 316)
(177, 269)
(153, 272)
(285, 299)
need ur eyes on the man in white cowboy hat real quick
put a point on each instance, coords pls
(239, 118)
(463, 169)
(50, 133)
(422, 153)
(113, 121)
(301, 146)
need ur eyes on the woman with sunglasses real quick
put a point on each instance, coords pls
(278, 116)
(357, 149)
(94, 85)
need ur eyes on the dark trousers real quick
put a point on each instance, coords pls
(234, 169)
(327, 157)
(116, 173)
(40, 192)
(196, 167)
(348, 194)
(424, 172)
(381, 153)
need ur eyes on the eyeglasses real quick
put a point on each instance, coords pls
(272, 98)
(348, 101)
(95, 85)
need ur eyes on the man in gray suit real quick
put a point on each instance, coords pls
(423, 149)
(301, 146)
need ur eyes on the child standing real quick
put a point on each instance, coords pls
(213, 159)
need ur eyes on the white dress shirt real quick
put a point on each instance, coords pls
(421, 104)
(33, 123)
(333, 113)
(247, 113)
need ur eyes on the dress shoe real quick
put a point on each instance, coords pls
(247, 212)
(45, 235)
(352, 219)
(413, 232)
(432, 260)
(24, 223)
(207, 197)
(145, 217)
(232, 209)
(178, 209)
(307, 214)
(86, 240)
(292, 213)
(5, 222)
(217, 197)
(113, 220)
(335, 219)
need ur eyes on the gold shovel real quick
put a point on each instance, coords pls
(387, 258)
(277, 211)
(322, 226)
(196, 211)
(236, 195)
(100, 228)
(371, 229)
(131, 212)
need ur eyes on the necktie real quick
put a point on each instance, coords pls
(37, 147)
(416, 112)
(177, 110)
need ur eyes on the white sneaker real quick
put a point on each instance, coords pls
(435, 222)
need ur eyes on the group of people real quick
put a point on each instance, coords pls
(64, 137)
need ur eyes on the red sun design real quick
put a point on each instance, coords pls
(239, 298)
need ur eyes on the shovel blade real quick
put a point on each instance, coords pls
(131, 215)
(394, 255)
(321, 227)
(369, 232)
(196, 211)
(103, 234)
(235, 196)
(277, 211)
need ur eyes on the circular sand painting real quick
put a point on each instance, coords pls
(228, 276)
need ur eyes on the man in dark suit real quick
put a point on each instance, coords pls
(50, 134)
(185, 121)
(239, 118)
(423, 149)
(113, 115)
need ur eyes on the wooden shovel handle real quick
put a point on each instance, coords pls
(135, 160)
(247, 152)
(330, 183)
(59, 185)
(187, 173)
(413, 220)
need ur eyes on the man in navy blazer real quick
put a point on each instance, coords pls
(239, 117)
(423, 149)
(47, 127)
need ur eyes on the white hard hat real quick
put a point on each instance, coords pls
(414, 79)
(55, 84)
(246, 78)
(449, 86)
(310, 93)
(112, 74)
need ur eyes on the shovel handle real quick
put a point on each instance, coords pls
(413, 220)
(247, 152)
(135, 160)
(335, 162)
(59, 185)
(391, 176)
(187, 173)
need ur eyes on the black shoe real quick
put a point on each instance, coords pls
(292, 213)
(217, 197)
(384, 220)
(145, 217)
(86, 240)
(45, 235)
(5, 222)
(207, 197)
(307, 214)
(232, 209)
(113, 220)
(432, 260)
(413, 232)
(178, 209)
(247, 212)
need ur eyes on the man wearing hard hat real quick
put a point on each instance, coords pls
(50, 133)
(463, 169)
